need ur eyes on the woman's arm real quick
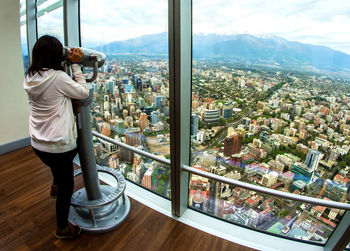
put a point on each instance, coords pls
(73, 89)
(77, 89)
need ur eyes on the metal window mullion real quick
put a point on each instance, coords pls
(50, 8)
(71, 22)
(180, 61)
(340, 236)
(32, 31)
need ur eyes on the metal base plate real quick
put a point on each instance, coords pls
(101, 219)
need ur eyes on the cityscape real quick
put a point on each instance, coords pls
(277, 129)
(270, 105)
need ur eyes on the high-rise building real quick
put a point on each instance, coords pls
(233, 144)
(227, 112)
(228, 146)
(133, 136)
(109, 86)
(312, 159)
(159, 101)
(302, 172)
(120, 127)
(126, 155)
(291, 113)
(147, 177)
(154, 117)
(125, 82)
(334, 191)
(212, 116)
(141, 102)
(194, 124)
(144, 122)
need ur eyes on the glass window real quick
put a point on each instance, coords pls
(50, 18)
(23, 27)
(131, 102)
(270, 106)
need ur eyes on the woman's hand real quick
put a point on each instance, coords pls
(75, 55)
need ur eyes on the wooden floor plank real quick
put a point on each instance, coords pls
(27, 217)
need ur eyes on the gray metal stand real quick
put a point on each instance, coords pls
(96, 208)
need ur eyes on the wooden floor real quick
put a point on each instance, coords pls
(27, 217)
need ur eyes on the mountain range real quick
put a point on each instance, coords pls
(242, 48)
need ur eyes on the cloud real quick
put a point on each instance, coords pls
(320, 22)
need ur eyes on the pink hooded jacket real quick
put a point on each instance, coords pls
(51, 120)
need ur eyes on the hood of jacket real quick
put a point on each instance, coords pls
(37, 84)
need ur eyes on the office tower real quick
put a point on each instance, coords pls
(139, 84)
(302, 172)
(159, 101)
(194, 124)
(125, 81)
(312, 159)
(109, 86)
(154, 117)
(227, 112)
(212, 116)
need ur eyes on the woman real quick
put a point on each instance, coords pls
(51, 121)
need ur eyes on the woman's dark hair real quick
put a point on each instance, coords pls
(47, 54)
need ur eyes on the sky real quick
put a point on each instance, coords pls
(319, 22)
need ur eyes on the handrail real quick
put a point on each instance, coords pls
(133, 149)
(286, 195)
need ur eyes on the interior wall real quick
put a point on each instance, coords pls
(14, 108)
